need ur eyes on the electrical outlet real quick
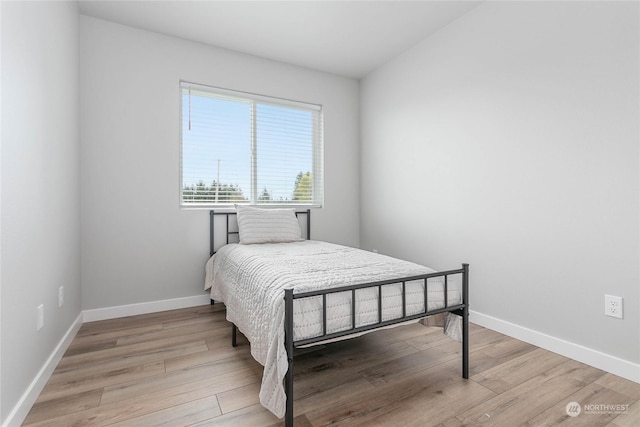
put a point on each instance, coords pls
(60, 296)
(613, 306)
(40, 317)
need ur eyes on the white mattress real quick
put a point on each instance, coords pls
(250, 280)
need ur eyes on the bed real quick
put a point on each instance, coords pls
(283, 291)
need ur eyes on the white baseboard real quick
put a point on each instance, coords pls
(606, 362)
(22, 408)
(144, 308)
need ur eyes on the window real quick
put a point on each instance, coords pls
(241, 148)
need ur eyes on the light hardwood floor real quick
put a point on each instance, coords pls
(178, 368)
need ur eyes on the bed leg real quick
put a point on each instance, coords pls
(234, 335)
(288, 342)
(288, 380)
(465, 321)
(212, 302)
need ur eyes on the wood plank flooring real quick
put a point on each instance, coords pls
(178, 368)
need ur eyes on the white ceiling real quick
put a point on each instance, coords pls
(349, 38)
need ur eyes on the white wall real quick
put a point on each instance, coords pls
(40, 230)
(137, 245)
(509, 140)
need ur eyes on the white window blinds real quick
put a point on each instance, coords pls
(240, 148)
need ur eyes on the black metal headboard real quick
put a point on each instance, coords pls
(229, 232)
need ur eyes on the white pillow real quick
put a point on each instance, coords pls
(267, 225)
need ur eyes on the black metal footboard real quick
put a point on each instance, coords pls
(461, 309)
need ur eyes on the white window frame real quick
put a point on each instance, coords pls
(317, 150)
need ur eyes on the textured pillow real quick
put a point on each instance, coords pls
(267, 225)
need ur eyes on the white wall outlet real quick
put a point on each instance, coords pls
(375, 251)
(40, 317)
(60, 296)
(613, 306)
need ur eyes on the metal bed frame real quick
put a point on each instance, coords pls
(461, 309)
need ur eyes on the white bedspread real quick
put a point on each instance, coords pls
(250, 280)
